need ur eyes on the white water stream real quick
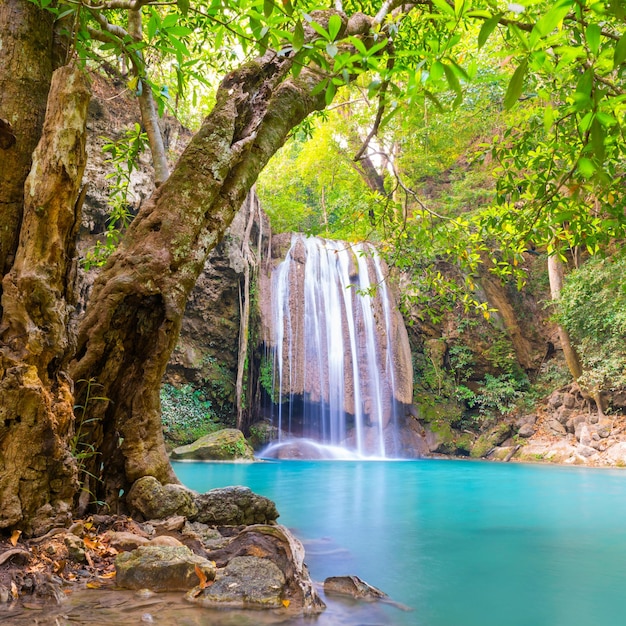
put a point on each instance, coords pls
(333, 355)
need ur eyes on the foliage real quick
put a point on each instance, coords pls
(593, 309)
(186, 414)
(124, 155)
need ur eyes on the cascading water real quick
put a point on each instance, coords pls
(334, 330)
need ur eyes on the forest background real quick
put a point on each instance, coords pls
(464, 138)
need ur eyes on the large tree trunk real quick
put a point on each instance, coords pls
(37, 464)
(25, 74)
(135, 310)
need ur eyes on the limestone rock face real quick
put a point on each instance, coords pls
(247, 582)
(156, 501)
(161, 568)
(234, 506)
(224, 445)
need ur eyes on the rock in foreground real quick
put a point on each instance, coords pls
(161, 568)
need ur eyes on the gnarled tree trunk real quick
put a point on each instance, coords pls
(136, 307)
(37, 467)
(25, 74)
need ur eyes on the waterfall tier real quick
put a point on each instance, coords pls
(341, 364)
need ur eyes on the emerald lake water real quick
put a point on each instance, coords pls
(462, 543)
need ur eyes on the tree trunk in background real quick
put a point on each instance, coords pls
(37, 465)
(555, 275)
(25, 73)
(135, 311)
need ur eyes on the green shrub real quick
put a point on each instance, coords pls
(593, 309)
(186, 414)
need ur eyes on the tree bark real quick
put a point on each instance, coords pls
(135, 310)
(37, 466)
(25, 74)
(555, 275)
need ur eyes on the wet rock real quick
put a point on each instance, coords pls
(526, 430)
(161, 568)
(262, 433)
(125, 541)
(276, 544)
(352, 586)
(168, 525)
(246, 582)
(156, 501)
(224, 445)
(233, 506)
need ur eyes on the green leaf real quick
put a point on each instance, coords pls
(268, 7)
(597, 140)
(334, 26)
(443, 6)
(553, 17)
(620, 51)
(586, 167)
(169, 20)
(298, 36)
(331, 50)
(486, 29)
(436, 70)
(452, 79)
(183, 5)
(516, 84)
(459, 5)
(330, 93)
(592, 34)
(585, 82)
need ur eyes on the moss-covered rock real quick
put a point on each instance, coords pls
(228, 444)
(156, 501)
(488, 441)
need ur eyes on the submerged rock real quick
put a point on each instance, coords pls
(352, 586)
(228, 444)
(161, 568)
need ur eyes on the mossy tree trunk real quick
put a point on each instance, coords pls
(26, 64)
(37, 465)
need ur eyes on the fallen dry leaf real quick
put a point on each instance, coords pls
(94, 584)
(286, 603)
(108, 575)
(202, 576)
(14, 537)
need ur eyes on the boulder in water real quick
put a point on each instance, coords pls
(234, 506)
(228, 444)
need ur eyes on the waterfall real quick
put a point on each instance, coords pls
(334, 330)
